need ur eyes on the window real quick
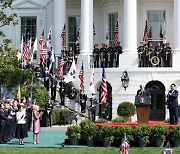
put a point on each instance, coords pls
(155, 23)
(28, 27)
(112, 24)
(73, 28)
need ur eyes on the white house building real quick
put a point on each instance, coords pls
(39, 15)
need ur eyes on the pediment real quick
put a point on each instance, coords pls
(27, 4)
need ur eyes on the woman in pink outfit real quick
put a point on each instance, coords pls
(36, 123)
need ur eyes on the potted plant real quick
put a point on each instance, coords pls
(174, 134)
(74, 133)
(142, 133)
(122, 130)
(126, 110)
(159, 133)
(107, 135)
(89, 133)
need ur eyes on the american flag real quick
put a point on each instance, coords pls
(145, 37)
(41, 42)
(43, 54)
(60, 67)
(26, 46)
(81, 77)
(94, 32)
(63, 35)
(104, 93)
(116, 32)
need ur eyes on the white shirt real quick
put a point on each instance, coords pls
(21, 117)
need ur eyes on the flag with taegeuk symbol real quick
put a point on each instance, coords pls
(81, 77)
(104, 92)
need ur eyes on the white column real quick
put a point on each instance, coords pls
(176, 55)
(86, 27)
(129, 56)
(130, 25)
(59, 21)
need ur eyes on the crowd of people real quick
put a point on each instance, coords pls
(159, 56)
(17, 117)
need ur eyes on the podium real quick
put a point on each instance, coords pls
(142, 104)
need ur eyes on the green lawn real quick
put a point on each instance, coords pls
(81, 150)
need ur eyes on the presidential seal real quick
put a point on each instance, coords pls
(141, 100)
(155, 60)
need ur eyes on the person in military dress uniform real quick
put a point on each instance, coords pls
(70, 55)
(53, 87)
(49, 109)
(149, 53)
(103, 54)
(72, 97)
(96, 56)
(117, 52)
(46, 79)
(83, 99)
(110, 56)
(157, 52)
(141, 55)
(62, 90)
(94, 107)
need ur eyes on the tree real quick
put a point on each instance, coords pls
(11, 73)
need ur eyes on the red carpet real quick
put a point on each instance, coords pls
(133, 124)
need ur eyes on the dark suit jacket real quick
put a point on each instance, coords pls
(3, 118)
(144, 93)
(173, 99)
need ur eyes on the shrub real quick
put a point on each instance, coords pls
(126, 109)
(74, 131)
(89, 131)
(85, 122)
(65, 116)
(100, 120)
(122, 130)
(38, 92)
(106, 133)
(142, 132)
(119, 119)
(178, 110)
(159, 132)
(55, 116)
(174, 133)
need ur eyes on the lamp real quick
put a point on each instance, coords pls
(125, 79)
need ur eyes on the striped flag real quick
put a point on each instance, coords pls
(81, 77)
(104, 93)
(92, 88)
(41, 41)
(116, 32)
(26, 47)
(43, 55)
(145, 37)
(94, 32)
(60, 67)
(63, 35)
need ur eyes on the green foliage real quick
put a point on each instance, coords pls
(107, 133)
(64, 116)
(85, 122)
(126, 109)
(122, 130)
(119, 119)
(159, 132)
(167, 121)
(11, 73)
(178, 110)
(74, 131)
(100, 120)
(142, 132)
(55, 116)
(174, 133)
(39, 93)
(89, 131)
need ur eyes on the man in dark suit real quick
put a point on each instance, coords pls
(62, 90)
(53, 87)
(142, 91)
(172, 101)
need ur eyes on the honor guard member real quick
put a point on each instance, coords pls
(109, 56)
(103, 53)
(53, 87)
(62, 90)
(117, 51)
(64, 55)
(149, 52)
(141, 54)
(48, 109)
(94, 107)
(96, 56)
(70, 55)
(157, 52)
(170, 55)
(76, 53)
(72, 97)
(46, 79)
(83, 99)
